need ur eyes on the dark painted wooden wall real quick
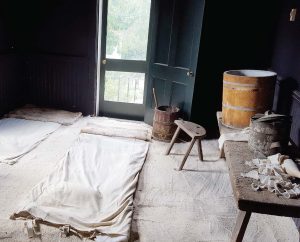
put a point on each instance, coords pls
(235, 35)
(48, 54)
(11, 82)
(286, 62)
(61, 54)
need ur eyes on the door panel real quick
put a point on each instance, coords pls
(126, 65)
(121, 110)
(161, 34)
(175, 44)
(178, 94)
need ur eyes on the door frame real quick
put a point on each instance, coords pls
(137, 111)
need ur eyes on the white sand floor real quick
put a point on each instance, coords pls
(195, 204)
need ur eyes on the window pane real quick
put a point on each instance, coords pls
(125, 87)
(127, 29)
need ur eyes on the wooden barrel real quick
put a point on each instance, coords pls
(245, 93)
(163, 123)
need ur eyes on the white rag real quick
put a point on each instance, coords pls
(20, 136)
(242, 136)
(91, 191)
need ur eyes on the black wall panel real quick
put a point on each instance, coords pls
(48, 54)
(11, 70)
(59, 81)
(235, 35)
(286, 62)
(10, 82)
(61, 54)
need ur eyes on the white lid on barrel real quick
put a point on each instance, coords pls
(251, 73)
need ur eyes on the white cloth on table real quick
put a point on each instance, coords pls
(242, 136)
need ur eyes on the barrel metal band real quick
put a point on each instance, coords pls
(239, 108)
(165, 123)
(241, 84)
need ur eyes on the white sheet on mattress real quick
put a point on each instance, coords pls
(45, 114)
(92, 188)
(20, 136)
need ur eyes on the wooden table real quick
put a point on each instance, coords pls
(249, 201)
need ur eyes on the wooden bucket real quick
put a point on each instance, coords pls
(163, 123)
(269, 134)
(245, 93)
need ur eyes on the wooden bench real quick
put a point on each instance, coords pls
(249, 201)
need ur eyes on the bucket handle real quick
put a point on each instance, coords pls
(155, 99)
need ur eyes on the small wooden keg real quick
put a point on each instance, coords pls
(163, 123)
(245, 93)
(269, 134)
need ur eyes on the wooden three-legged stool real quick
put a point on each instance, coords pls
(195, 131)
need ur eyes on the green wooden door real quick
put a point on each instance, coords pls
(124, 58)
(175, 39)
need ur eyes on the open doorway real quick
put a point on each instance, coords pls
(123, 57)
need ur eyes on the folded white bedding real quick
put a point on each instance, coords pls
(45, 114)
(91, 190)
(20, 136)
(118, 128)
